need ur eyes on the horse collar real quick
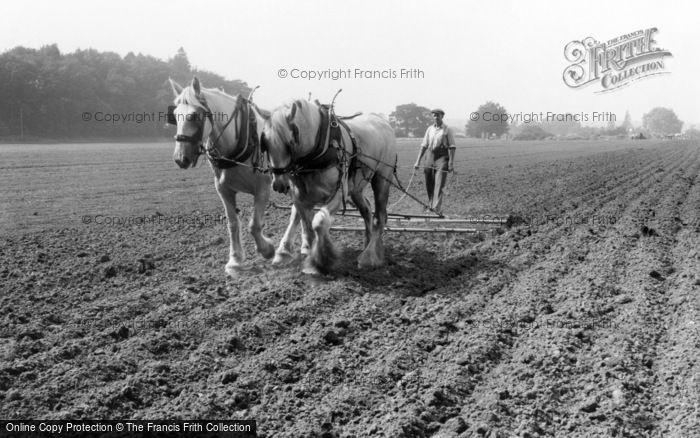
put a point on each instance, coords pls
(328, 146)
(323, 155)
(247, 138)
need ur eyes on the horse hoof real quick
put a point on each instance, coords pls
(231, 272)
(311, 270)
(233, 269)
(368, 262)
(268, 252)
(266, 248)
(282, 259)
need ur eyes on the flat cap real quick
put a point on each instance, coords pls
(437, 111)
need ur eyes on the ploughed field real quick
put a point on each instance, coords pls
(578, 318)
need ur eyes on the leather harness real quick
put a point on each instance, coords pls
(248, 141)
(329, 150)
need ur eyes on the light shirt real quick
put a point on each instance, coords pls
(435, 137)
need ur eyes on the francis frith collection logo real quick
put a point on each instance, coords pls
(616, 62)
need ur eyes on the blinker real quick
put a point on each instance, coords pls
(172, 120)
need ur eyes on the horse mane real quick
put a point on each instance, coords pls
(189, 97)
(263, 112)
(306, 112)
(278, 125)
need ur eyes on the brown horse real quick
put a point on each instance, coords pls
(322, 171)
(232, 149)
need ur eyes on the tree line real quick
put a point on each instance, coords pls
(658, 122)
(490, 121)
(44, 93)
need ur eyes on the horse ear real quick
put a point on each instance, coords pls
(196, 86)
(177, 88)
(293, 112)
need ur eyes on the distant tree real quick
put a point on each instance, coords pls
(589, 132)
(410, 120)
(532, 132)
(627, 123)
(561, 127)
(611, 125)
(662, 121)
(181, 65)
(692, 133)
(611, 129)
(210, 79)
(485, 125)
(44, 92)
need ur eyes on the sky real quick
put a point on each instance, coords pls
(467, 53)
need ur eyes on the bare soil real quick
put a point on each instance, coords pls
(580, 318)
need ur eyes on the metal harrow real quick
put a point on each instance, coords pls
(423, 223)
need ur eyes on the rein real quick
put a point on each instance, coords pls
(228, 122)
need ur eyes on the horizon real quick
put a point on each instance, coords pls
(521, 69)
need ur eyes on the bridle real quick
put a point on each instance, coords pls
(304, 164)
(329, 150)
(195, 138)
(292, 167)
(212, 150)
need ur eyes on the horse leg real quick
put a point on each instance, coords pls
(236, 257)
(363, 207)
(283, 255)
(323, 253)
(373, 255)
(265, 246)
(306, 235)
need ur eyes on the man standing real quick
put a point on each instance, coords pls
(440, 144)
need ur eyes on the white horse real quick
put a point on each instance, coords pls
(233, 131)
(323, 166)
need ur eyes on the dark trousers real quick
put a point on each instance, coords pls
(435, 178)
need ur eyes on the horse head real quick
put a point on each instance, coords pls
(189, 114)
(289, 132)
